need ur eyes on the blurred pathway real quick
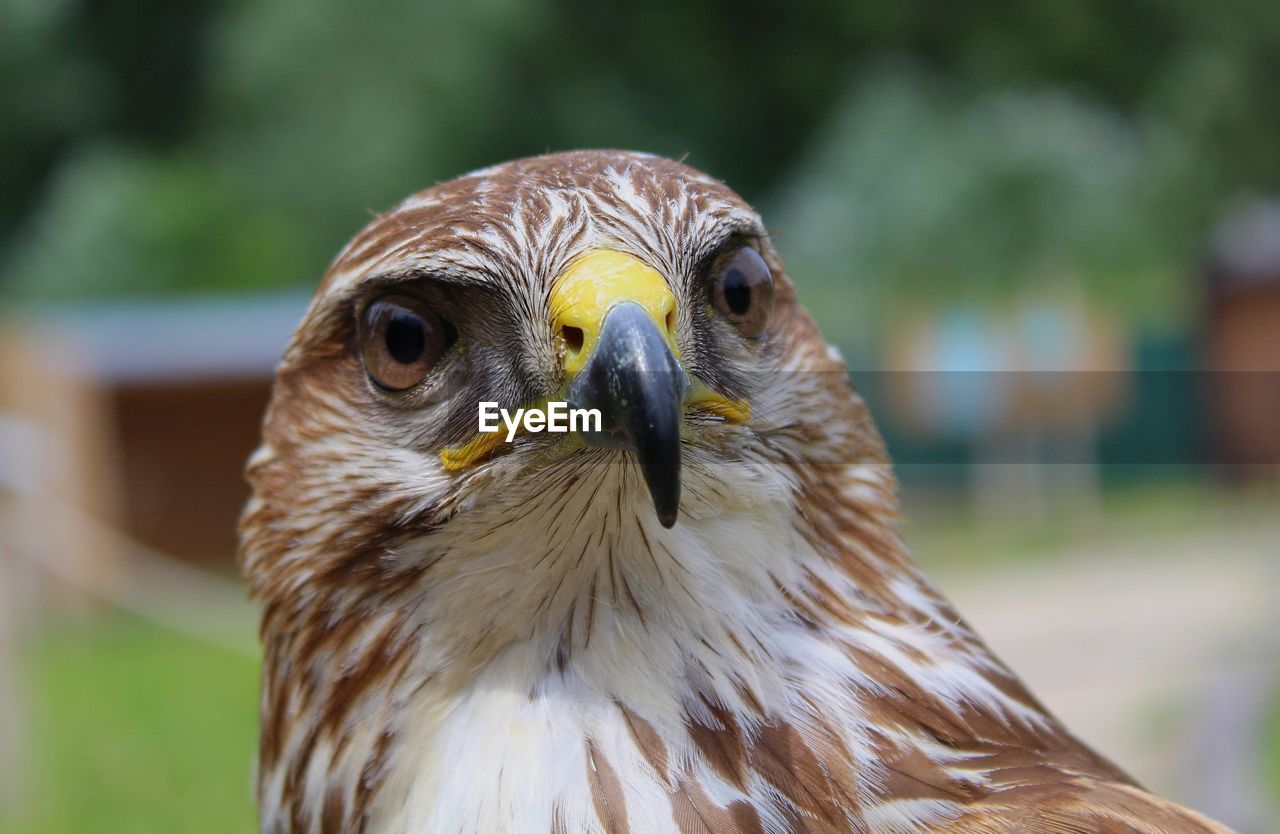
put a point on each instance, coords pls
(1160, 653)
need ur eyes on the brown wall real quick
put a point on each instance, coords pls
(182, 450)
(1244, 344)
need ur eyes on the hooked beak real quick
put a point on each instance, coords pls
(616, 317)
(639, 388)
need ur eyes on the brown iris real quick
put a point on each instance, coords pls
(742, 290)
(401, 340)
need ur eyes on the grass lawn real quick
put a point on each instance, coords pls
(952, 536)
(135, 729)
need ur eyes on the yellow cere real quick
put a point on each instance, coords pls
(596, 281)
(581, 298)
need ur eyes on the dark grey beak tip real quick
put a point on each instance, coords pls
(664, 489)
(639, 388)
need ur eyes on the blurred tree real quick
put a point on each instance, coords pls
(920, 191)
(83, 71)
(173, 147)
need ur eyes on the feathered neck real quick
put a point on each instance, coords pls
(578, 622)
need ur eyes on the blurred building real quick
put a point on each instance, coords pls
(1242, 335)
(142, 415)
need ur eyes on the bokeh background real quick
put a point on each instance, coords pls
(1045, 235)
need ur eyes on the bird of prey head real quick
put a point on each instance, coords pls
(696, 616)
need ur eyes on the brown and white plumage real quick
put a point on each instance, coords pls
(518, 645)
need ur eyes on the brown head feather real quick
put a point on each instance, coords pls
(519, 647)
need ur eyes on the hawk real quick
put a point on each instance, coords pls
(696, 617)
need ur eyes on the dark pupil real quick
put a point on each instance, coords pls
(737, 292)
(406, 337)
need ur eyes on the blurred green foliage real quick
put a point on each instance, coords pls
(919, 150)
(138, 730)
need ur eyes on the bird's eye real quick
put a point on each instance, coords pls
(742, 290)
(401, 340)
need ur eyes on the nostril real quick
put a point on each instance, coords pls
(671, 321)
(573, 338)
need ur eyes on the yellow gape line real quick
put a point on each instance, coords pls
(481, 446)
(473, 451)
(733, 411)
(581, 297)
